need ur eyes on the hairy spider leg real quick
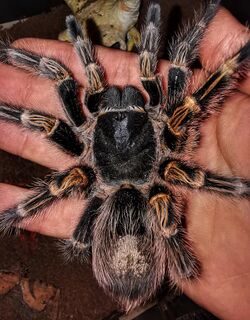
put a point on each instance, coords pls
(183, 51)
(79, 245)
(148, 52)
(206, 100)
(93, 70)
(67, 87)
(169, 210)
(55, 130)
(181, 173)
(58, 185)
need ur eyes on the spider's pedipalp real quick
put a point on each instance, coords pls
(56, 186)
(194, 177)
(93, 70)
(79, 246)
(148, 52)
(206, 100)
(181, 261)
(67, 87)
(183, 51)
(55, 130)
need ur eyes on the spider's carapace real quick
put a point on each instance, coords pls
(124, 140)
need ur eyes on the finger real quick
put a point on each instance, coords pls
(20, 88)
(58, 221)
(121, 68)
(65, 53)
(224, 37)
(220, 149)
(32, 146)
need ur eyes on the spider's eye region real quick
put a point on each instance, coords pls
(129, 108)
(122, 127)
(128, 98)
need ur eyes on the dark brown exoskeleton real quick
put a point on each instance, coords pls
(130, 156)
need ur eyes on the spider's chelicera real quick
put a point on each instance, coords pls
(131, 154)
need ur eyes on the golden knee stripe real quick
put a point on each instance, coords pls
(173, 172)
(46, 124)
(160, 203)
(76, 177)
(181, 113)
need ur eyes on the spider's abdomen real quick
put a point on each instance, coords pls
(124, 146)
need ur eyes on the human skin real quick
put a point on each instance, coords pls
(218, 227)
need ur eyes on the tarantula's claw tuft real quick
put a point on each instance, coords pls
(154, 14)
(182, 263)
(74, 28)
(3, 52)
(9, 221)
(74, 250)
(244, 53)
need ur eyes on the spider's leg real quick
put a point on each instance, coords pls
(56, 186)
(67, 87)
(54, 129)
(169, 210)
(183, 51)
(180, 172)
(93, 70)
(206, 100)
(148, 52)
(79, 246)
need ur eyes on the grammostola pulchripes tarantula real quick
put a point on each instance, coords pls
(131, 156)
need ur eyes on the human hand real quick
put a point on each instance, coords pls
(218, 227)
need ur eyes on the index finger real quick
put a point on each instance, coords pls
(224, 37)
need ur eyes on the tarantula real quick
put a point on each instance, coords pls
(131, 155)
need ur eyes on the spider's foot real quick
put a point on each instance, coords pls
(10, 220)
(148, 50)
(182, 263)
(72, 249)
